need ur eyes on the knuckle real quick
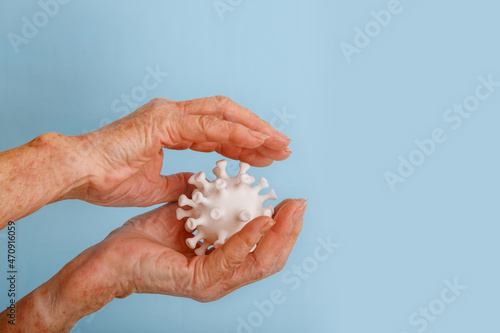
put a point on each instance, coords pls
(221, 100)
(207, 297)
(210, 122)
(207, 119)
(246, 240)
(226, 262)
(204, 122)
(154, 108)
(159, 100)
(297, 229)
(47, 139)
(279, 267)
(262, 270)
(261, 273)
(183, 106)
(203, 297)
(54, 141)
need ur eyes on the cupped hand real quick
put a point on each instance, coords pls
(124, 159)
(148, 254)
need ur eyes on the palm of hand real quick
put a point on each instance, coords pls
(150, 254)
(155, 250)
(137, 185)
(158, 259)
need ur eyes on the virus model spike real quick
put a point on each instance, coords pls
(220, 170)
(244, 167)
(222, 207)
(261, 185)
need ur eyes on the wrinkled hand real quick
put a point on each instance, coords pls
(148, 254)
(123, 160)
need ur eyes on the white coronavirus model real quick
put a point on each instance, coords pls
(222, 207)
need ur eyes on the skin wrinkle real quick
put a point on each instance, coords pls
(32, 189)
(120, 165)
(290, 242)
(171, 132)
(206, 122)
(294, 219)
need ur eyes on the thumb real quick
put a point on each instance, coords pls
(232, 253)
(170, 187)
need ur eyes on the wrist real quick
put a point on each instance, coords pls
(81, 287)
(69, 158)
(49, 168)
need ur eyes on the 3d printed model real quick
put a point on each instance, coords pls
(222, 207)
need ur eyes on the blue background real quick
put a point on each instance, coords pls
(351, 123)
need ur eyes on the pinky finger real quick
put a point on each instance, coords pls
(290, 243)
(250, 156)
(204, 147)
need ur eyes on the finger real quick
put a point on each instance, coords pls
(241, 275)
(260, 157)
(182, 145)
(194, 128)
(225, 108)
(204, 147)
(274, 154)
(252, 270)
(250, 156)
(171, 187)
(231, 254)
(281, 204)
(272, 244)
(290, 243)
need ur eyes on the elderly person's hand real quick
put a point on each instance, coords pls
(148, 254)
(120, 164)
(124, 159)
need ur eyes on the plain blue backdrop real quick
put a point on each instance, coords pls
(353, 102)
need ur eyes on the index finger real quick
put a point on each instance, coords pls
(225, 108)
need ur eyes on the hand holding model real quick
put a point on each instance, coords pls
(125, 158)
(120, 165)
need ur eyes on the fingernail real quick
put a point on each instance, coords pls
(259, 135)
(267, 226)
(302, 209)
(284, 136)
(287, 150)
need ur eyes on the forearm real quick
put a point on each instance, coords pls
(80, 288)
(39, 172)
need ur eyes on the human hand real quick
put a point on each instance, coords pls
(148, 254)
(123, 160)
